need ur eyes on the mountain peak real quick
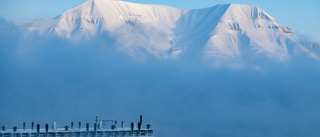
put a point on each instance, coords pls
(245, 12)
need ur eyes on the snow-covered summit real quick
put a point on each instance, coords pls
(216, 34)
(245, 12)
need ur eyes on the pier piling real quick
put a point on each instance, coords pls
(32, 125)
(148, 126)
(66, 128)
(38, 128)
(132, 126)
(47, 128)
(4, 127)
(87, 127)
(71, 125)
(15, 129)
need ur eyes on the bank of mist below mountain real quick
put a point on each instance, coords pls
(55, 80)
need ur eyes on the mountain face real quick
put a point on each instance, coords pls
(223, 33)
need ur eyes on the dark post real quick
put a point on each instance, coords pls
(115, 124)
(71, 125)
(24, 125)
(95, 129)
(38, 128)
(4, 127)
(15, 129)
(132, 126)
(112, 127)
(66, 128)
(80, 125)
(47, 128)
(96, 119)
(148, 126)
(121, 124)
(87, 126)
(140, 119)
(32, 125)
(139, 126)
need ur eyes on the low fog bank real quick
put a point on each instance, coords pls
(57, 80)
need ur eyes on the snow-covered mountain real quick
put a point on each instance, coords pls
(229, 32)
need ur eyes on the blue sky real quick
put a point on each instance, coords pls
(303, 17)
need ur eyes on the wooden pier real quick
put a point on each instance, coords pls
(71, 133)
(102, 128)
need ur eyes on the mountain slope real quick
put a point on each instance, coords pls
(222, 33)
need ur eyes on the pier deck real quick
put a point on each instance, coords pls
(79, 133)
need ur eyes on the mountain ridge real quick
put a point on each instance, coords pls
(216, 34)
